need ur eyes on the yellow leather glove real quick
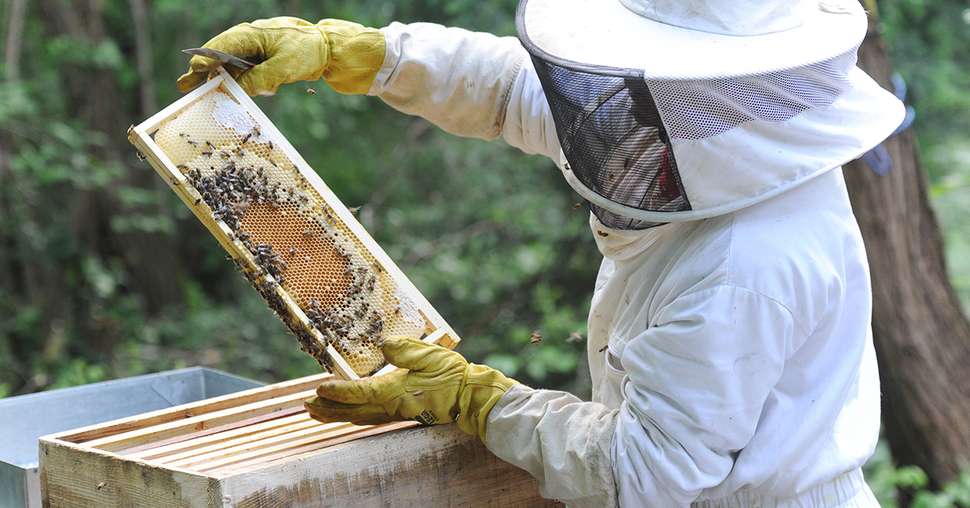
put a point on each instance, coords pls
(440, 386)
(347, 55)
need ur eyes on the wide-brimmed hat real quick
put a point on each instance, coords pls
(692, 39)
(678, 110)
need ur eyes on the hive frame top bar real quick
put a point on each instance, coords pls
(436, 329)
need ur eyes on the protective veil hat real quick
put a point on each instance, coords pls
(674, 110)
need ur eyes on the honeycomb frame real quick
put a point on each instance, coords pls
(331, 236)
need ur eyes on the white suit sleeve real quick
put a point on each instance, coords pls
(695, 383)
(468, 83)
(560, 440)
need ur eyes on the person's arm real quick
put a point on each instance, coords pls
(470, 84)
(694, 386)
(560, 440)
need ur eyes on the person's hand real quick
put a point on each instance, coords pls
(440, 386)
(346, 54)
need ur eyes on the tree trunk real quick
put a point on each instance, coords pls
(922, 337)
(14, 39)
(12, 278)
(153, 256)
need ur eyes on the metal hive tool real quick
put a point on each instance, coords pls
(299, 246)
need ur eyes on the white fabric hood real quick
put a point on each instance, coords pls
(645, 147)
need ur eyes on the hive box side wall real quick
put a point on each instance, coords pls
(14, 492)
(428, 466)
(74, 477)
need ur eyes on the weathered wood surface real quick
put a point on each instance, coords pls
(259, 448)
(74, 476)
(426, 466)
(202, 407)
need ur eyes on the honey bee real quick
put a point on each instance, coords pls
(254, 132)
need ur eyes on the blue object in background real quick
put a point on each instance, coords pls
(25, 418)
(878, 159)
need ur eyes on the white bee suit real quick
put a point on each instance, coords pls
(731, 357)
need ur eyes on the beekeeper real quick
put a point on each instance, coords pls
(729, 340)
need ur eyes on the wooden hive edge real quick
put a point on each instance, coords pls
(194, 424)
(189, 410)
(72, 476)
(186, 448)
(424, 466)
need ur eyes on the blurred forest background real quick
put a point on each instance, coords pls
(105, 274)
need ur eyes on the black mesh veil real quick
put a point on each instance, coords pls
(612, 136)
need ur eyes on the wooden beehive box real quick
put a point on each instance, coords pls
(259, 448)
(286, 231)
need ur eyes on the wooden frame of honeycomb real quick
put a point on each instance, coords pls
(286, 231)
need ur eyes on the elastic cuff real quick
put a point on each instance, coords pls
(481, 389)
(392, 55)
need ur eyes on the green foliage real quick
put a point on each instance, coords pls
(930, 43)
(104, 274)
(489, 235)
(886, 480)
(77, 371)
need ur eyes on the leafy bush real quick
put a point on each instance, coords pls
(888, 480)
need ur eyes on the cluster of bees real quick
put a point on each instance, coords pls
(229, 183)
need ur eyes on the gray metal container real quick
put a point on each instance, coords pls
(25, 418)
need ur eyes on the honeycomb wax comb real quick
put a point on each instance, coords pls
(286, 231)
